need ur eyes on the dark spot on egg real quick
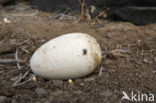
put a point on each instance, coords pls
(84, 51)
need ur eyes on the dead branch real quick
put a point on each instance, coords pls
(26, 51)
(120, 52)
(14, 70)
(87, 14)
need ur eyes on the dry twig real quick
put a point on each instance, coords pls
(21, 43)
(82, 8)
(16, 57)
(100, 72)
(20, 78)
(30, 79)
(10, 61)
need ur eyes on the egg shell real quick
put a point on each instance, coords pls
(72, 55)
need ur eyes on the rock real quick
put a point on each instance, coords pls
(3, 99)
(136, 15)
(41, 92)
(89, 79)
(55, 5)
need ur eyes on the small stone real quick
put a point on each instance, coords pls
(47, 101)
(3, 99)
(57, 82)
(41, 92)
(146, 61)
(125, 48)
(89, 80)
(108, 35)
(82, 84)
(107, 93)
(14, 101)
(12, 41)
(100, 25)
(154, 60)
(77, 92)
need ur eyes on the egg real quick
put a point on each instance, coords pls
(69, 56)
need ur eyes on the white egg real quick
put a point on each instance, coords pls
(71, 55)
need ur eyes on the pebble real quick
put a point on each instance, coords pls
(3, 99)
(100, 25)
(82, 84)
(125, 48)
(108, 35)
(41, 92)
(107, 93)
(89, 79)
(14, 101)
(145, 61)
(47, 101)
(12, 41)
(154, 60)
(57, 82)
(57, 92)
(78, 92)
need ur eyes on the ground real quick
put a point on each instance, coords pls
(128, 58)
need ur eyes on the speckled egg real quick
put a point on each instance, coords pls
(72, 55)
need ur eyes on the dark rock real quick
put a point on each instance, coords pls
(6, 2)
(136, 15)
(3, 1)
(41, 92)
(55, 5)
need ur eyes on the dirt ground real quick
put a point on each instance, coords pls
(128, 64)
